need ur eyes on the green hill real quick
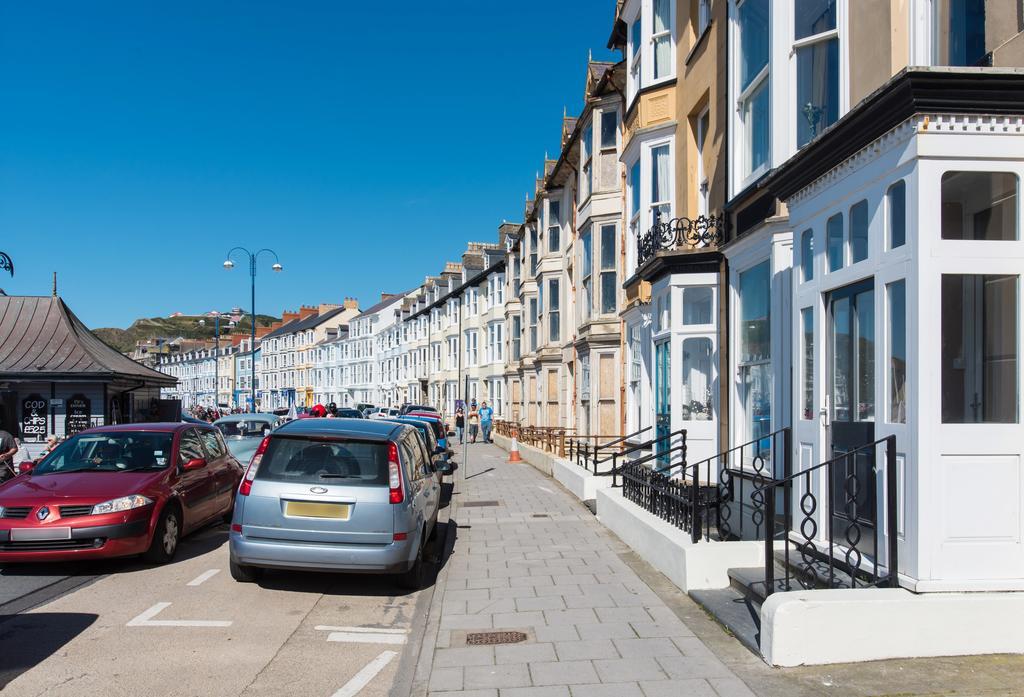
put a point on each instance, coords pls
(124, 340)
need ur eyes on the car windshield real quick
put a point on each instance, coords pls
(123, 451)
(251, 428)
(304, 460)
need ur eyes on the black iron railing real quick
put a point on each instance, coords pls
(701, 232)
(740, 474)
(591, 456)
(673, 499)
(847, 556)
(654, 444)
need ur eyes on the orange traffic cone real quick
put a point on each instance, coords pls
(513, 454)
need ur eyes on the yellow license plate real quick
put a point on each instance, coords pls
(304, 509)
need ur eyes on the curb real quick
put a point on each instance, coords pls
(414, 673)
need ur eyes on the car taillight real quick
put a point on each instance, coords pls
(394, 475)
(254, 464)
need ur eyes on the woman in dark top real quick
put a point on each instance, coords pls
(460, 423)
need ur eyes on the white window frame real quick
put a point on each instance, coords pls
(839, 33)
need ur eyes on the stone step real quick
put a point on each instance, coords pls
(735, 611)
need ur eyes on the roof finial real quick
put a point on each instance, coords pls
(55, 284)
(590, 55)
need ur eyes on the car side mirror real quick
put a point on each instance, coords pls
(26, 466)
(195, 464)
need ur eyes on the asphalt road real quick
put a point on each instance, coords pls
(125, 628)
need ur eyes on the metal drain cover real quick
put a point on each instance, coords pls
(488, 638)
(477, 504)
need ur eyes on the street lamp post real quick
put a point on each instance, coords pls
(228, 264)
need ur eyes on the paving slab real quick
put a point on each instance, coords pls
(603, 622)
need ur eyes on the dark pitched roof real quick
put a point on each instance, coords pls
(41, 338)
(384, 303)
(299, 325)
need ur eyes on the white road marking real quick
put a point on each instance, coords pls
(205, 576)
(361, 679)
(364, 635)
(374, 630)
(146, 620)
(362, 638)
(544, 488)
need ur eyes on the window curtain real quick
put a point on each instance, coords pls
(660, 178)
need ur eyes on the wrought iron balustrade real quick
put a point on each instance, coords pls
(695, 233)
(833, 537)
(589, 455)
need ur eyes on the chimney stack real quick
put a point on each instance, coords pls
(307, 311)
(289, 316)
(351, 304)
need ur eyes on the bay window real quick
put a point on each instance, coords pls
(533, 251)
(635, 52)
(816, 47)
(958, 36)
(586, 274)
(586, 158)
(608, 171)
(661, 38)
(660, 204)
(554, 302)
(979, 348)
(554, 225)
(533, 324)
(979, 206)
(896, 293)
(609, 281)
(696, 397)
(752, 89)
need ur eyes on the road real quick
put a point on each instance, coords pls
(126, 628)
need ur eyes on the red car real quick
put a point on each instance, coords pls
(116, 491)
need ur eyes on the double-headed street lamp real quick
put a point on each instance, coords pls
(228, 265)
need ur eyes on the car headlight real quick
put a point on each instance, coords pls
(125, 503)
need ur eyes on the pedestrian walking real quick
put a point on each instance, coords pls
(486, 421)
(8, 449)
(460, 424)
(474, 422)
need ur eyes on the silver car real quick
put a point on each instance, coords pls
(348, 495)
(244, 432)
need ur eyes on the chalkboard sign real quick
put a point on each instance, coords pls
(78, 413)
(33, 417)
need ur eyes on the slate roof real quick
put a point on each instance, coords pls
(298, 325)
(384, 303)
(41, 338)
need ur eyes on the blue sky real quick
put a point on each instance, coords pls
(364, 142)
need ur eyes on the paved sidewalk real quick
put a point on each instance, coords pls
(531, 558)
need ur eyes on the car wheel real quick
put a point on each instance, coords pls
(166, 537)
(413, 578)
(244, 574)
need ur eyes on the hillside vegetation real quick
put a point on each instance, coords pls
(171, 328)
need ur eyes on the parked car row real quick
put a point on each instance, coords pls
(341, 494)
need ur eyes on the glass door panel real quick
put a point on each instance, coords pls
(662, 402)
(851, 372)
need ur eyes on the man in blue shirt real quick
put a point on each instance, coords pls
(486, 421)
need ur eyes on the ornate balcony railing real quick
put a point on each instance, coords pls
(696, 233)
